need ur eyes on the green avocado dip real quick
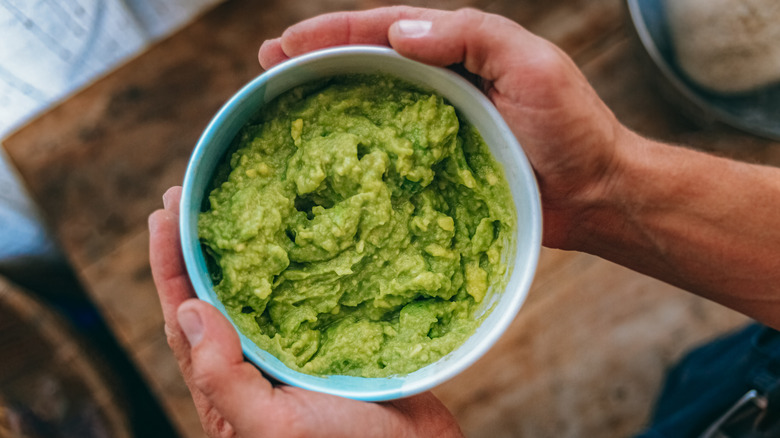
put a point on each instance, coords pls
(356, 227)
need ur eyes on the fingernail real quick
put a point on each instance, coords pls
(166, 200)
(414, 28)
(192, 326)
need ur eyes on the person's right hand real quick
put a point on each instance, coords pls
(705, 224)
(568, 133)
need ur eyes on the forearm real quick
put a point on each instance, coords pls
(706, 224)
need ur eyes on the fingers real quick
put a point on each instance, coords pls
(218, 370)
(174, 288)
(169, 273)
(271, 53)
(428, 414)
(488, 45)
(170, 276)
(340, 28)
(171, 199)
(337, 29)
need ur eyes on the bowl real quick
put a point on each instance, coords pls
(471, 104)
(756, 112)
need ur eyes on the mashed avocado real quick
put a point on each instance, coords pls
(356, 227)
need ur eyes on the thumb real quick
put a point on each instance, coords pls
(486, 44)
(234, 387)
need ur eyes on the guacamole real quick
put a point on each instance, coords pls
(356, 226)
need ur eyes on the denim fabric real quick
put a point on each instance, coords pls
(711, 378)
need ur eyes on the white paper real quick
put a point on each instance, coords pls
(49, 49)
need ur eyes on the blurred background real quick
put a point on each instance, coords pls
(64, 374)
(101, 102)
(50, 50)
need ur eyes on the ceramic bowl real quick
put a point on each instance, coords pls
(472, 104)
(756, 112)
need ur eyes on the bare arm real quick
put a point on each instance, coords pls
(709, 225)
(706, 224)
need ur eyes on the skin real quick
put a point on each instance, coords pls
(231, 396)
(706, 224)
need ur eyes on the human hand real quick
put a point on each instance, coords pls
(568, 133)
(232, 397)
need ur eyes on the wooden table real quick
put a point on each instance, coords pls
(587, 353)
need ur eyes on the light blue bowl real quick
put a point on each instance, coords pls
(474, 106)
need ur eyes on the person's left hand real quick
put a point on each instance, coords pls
(232, 397)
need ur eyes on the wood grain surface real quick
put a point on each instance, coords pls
(49, 375)
(587, 353)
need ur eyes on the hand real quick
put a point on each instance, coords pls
(706, 224)
(568, 133)
(232, 397)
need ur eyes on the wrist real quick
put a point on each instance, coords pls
(581, 219)
(648, 180)
(702, 223)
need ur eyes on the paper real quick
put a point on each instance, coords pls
(49, 49)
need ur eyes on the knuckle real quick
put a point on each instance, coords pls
(180, 349)
(469, 12)
(399, 10)
(549, 64)
(470, 17)
(549, 61)
(174, 338)
(205, 380)
(220, 428)
(170, 334)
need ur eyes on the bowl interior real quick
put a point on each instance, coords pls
(471, 104)
(756, 112)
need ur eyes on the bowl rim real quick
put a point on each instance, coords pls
(191, 247)
(705, 107)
